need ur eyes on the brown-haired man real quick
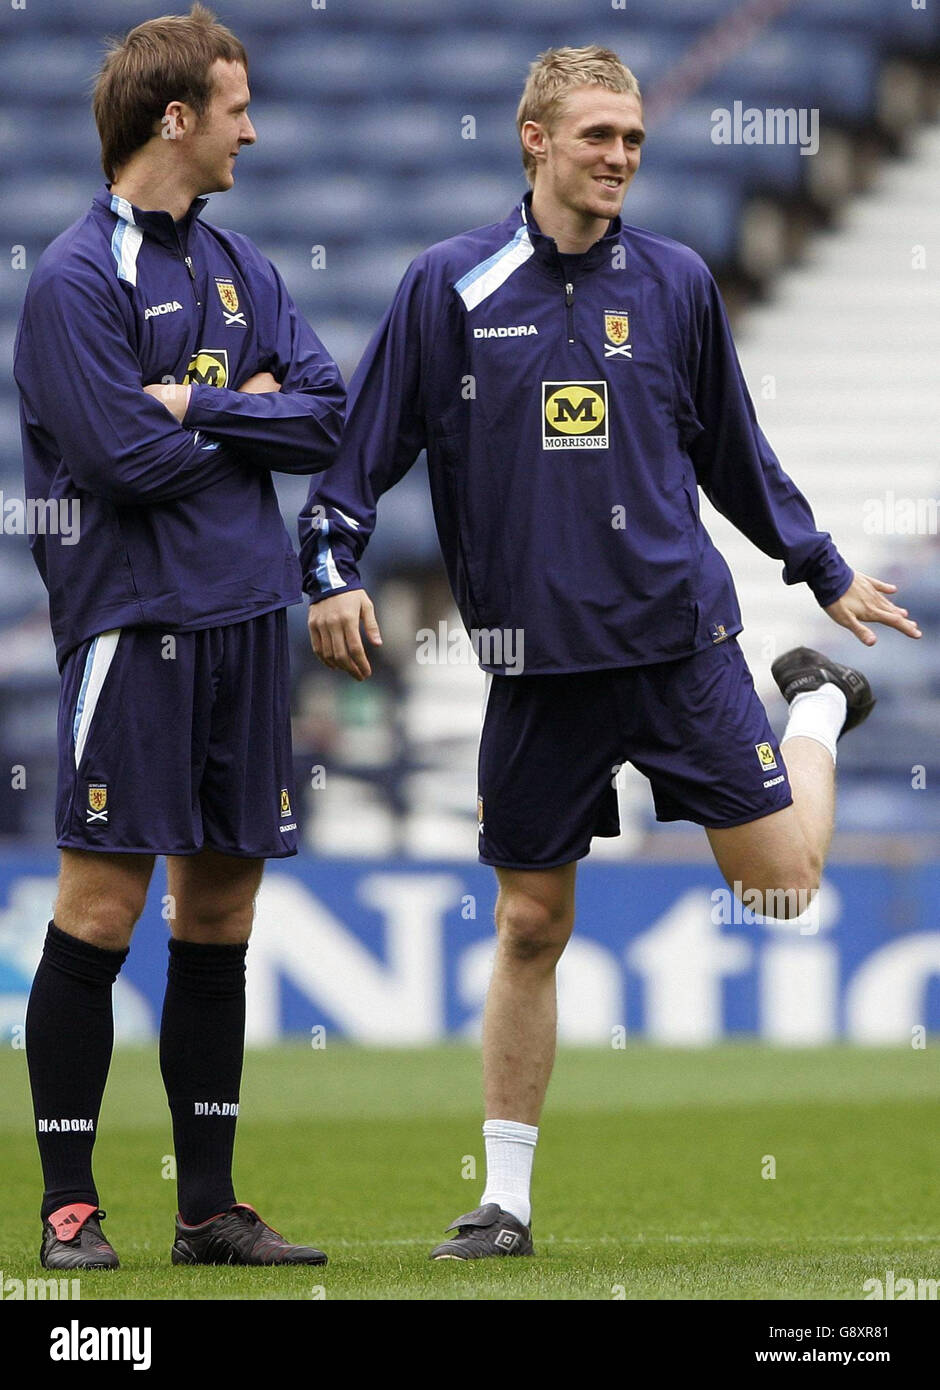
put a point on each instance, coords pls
(164, 373)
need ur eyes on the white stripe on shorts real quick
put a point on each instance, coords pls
(97, 664)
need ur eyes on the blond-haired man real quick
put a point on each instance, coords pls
(574, 382)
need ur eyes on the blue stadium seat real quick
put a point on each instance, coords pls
(10, 442)
(682, 140)
(246, 17)
(63, 140)
(393, 16)
(703, 215)
(12, 288)
(388, 137)
(684, 14)
(649, 53)
(891, 24)
(39, 209)
(308, 66)
(495, 143)
(293, 264)
(310, 209)
(291, 137)
(47, 70)
(364, 280)
(783, 69)
(466, 64)
(346, 337)
(444, 207)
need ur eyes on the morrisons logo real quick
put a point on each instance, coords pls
(207, 367)
(574, 415)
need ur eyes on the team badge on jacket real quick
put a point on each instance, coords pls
(229, 297)
(617, 333)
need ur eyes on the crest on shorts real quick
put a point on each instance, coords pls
(285, 802)
(765, 756)
(97, 802)
(480, 811)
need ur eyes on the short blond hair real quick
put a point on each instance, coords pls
(558, 71)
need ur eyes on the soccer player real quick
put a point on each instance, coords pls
(164, 373)
(575, 382)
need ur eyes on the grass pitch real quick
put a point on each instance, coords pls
(649, 1178)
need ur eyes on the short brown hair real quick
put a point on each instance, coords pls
(558, 71)
(162, 60)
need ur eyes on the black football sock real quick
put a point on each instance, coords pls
(69, 1037)
(202, 1045)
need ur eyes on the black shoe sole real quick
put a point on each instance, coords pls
(185, 1256)
(803, 669)
(65, 1269)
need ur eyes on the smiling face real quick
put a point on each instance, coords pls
(586, 161)
(221, 131)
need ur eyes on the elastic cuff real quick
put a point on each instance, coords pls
(82, 959)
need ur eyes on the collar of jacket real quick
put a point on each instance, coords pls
(546, 253)
(158, 225)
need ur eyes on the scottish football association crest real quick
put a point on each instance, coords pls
(617, 333)
(229, 297)
(97, 802)
(228, 294)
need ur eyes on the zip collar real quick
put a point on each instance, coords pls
(160, 226)
(545, 249)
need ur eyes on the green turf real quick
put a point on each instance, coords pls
(648, 1177)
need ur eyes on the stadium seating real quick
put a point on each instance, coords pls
(364, 151)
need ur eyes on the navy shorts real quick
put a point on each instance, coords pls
(170, 743)
(552, 745)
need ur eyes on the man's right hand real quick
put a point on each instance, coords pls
(334, 632)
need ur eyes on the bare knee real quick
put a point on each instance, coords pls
(533, 930)
(101, 896)
(783, 894)
(212, 898)
(227, 923)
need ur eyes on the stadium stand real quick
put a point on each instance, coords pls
(362, 151)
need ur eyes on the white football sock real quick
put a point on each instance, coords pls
(817, 714)
(510, 1149)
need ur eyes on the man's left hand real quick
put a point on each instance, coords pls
(864, 601)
